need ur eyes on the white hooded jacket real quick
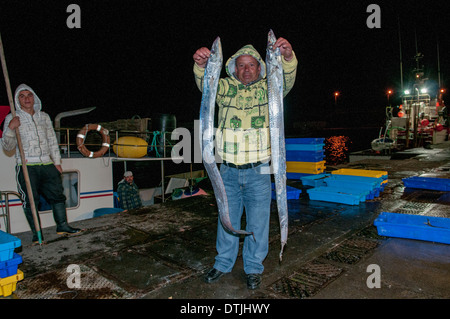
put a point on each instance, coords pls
(38, 137)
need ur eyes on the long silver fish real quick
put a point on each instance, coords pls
(276, 126)
(206, 129)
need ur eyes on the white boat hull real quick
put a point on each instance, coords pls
(90, 186)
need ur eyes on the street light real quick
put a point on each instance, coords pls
(336, 94)
(389, 92)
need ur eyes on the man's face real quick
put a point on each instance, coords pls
(26, 100)
(129, 179)
(247, 69)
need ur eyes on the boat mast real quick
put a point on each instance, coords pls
(438, 63)
(401, 60)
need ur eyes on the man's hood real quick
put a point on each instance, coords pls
(37, 102)
(248, 49)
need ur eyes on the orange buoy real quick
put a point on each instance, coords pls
(81, 136)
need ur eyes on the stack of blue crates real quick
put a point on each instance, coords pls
(350, 187)
(304, 156)
(9, 261)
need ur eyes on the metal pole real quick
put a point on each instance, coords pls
(438, 65)
(401, 61)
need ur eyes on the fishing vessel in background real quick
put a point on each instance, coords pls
(419, 121)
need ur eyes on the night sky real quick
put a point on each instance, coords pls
(135, 57)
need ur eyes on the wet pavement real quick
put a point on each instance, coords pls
(163, 251)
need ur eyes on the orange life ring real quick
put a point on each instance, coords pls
(81, 136)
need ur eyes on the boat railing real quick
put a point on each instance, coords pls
(158, 143)
(4, 204)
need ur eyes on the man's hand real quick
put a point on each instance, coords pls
(201, 57)
(285, 48)
(59, 168)
(15, 123)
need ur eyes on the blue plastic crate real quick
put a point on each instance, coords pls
(296, 175)
(431, 183)
(366, 194)
(315, 180)
(362, 194)
(305, 140)
(291, 192)
(305, 156)
(304, 147)
(354, 178)
(331, 194)
(9, 267)
(370, 193)
(428, 228)
(336, 182)
(7, 245)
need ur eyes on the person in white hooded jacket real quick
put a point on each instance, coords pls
(42, 156)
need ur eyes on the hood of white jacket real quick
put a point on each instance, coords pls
(37, 101)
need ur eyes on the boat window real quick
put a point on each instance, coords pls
(70, 183)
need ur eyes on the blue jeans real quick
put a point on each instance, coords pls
(249, 189)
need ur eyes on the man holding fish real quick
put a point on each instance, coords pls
(243, 143)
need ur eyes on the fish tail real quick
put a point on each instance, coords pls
(281, 252)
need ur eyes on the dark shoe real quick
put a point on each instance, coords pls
(253, 281)
(213, 275)
(64, 228)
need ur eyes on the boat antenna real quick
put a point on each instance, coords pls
(438, 62)
(417, 48)
(401, 60)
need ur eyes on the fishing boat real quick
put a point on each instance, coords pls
(419, 121)
(89, 182)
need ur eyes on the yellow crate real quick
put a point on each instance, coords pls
(360, 172)
(305, 167)
(8, 285)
